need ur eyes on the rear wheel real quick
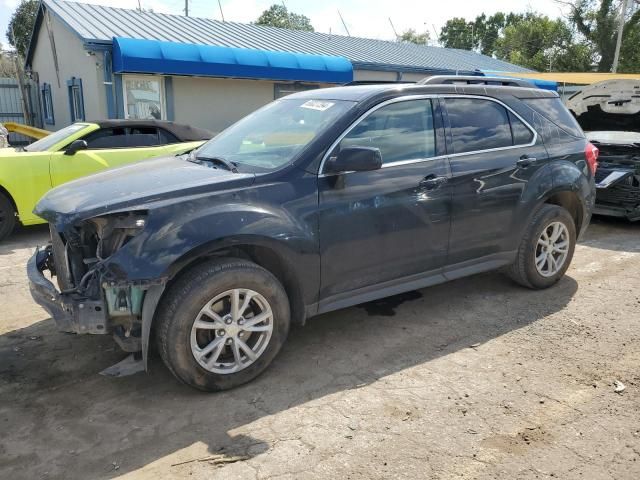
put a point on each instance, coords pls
(222, 324)
(7, 217)
(546, 249)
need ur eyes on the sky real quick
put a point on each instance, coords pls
(364, 18)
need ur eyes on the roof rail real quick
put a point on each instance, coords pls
(474, 80)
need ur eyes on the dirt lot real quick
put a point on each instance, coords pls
(473, 379)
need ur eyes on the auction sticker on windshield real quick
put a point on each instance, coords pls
(317, 105)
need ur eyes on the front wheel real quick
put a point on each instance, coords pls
(546, 249)
(222, 324)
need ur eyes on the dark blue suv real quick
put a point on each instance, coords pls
(318, 201)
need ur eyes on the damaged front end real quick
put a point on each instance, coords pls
(609, 113)
(618, 175)
(90, 298)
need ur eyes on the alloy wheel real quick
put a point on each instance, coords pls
(552, 249)
(231, 331)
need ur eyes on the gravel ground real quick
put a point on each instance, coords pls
(477, 378)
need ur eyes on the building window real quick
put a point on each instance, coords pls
(47, 104)
(143, 97)
(76, 100)
(283, 89)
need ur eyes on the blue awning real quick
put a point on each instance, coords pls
(132, 55)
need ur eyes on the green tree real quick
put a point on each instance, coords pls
(540, 43)
(630, 51)
(411, 36)
(7, 65)
(457, 33)
(278, 16)
(21, 25)
(597, 21)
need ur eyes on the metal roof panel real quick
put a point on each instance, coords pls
(95, 23)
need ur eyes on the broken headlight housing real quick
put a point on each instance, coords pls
(112, 232)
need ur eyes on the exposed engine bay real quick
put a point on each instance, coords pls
(609, 112)
(94, 302)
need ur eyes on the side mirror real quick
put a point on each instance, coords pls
(355, 159)
(76, 146)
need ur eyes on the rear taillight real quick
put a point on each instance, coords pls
(591, 155)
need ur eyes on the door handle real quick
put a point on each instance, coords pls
(431, 182)
(526, 161)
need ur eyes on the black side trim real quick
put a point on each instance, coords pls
(413, 282)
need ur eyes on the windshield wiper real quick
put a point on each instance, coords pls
(231, 166)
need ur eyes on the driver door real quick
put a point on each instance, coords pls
(387, 227)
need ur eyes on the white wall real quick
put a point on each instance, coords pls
(374, 76)
(73, 61)
(215, 103)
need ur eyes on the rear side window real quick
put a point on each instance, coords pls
(143, 137)
(478, 124)
(553, 110)
(401, 130)
(167, 137)
(521, 133)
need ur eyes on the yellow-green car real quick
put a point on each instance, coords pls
(78, 150)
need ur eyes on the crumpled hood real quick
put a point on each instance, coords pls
(608, 105)
(134, 186)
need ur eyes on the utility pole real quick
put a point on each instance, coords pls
(616, 56)
(186, 8)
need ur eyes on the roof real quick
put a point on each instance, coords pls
(100, 24)
(184, 133)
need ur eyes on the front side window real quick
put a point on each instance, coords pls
(144, 98)
(107, 138)
(273, 135)
(478, 124)
(76, 100)
(402, 131)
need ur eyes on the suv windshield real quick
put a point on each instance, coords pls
(271, 136)
(50, 140)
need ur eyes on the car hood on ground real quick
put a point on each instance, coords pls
(134, 186)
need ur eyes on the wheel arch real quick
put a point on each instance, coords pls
(570, 201)
(6, 193)
(265, 252)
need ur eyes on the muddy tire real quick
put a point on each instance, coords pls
(546, 249)
(222, 323)
(7, 217)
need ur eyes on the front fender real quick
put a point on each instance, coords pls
(278, 217)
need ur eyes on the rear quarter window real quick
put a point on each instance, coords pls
(554, 111)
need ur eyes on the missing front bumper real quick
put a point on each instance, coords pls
(72, 313)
